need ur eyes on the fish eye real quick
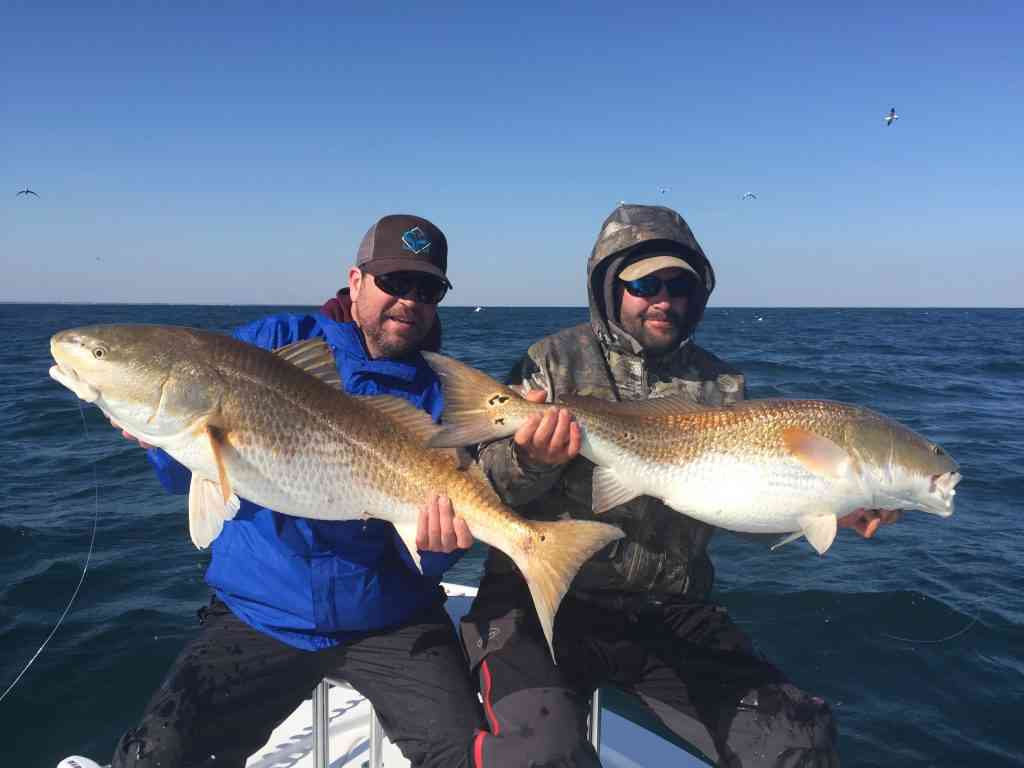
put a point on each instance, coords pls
(937, 450)
(99, 353)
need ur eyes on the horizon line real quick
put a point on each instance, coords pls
(492, 306)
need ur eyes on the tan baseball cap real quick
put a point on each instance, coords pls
(653, 263)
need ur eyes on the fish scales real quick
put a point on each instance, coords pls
(309, 437)
(761, 466)
(751, 427)
(275, 428)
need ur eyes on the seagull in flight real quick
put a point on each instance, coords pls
(748, 196)
(26, 191)
(891, 117)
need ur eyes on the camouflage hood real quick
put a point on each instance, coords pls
(630, 232)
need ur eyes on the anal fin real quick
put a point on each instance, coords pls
(609, 491)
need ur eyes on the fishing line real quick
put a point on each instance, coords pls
(88, 558)
(932, 642)
(974, 620)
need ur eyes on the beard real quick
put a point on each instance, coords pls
(656, 340)
(386, 339)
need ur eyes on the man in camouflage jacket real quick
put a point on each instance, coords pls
(637, 616)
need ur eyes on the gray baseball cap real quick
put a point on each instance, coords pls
(402, 242)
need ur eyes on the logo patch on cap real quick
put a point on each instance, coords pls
(416, 240)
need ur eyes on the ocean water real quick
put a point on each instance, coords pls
(916, 637)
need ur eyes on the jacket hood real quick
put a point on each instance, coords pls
(629, 232)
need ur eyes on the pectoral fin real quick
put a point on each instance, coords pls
(217, 440)
(407, 532)
(818, 454)
(211, 502)
(207, 510)
(820, 530)
(609, 491)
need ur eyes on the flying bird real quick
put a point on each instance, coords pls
(748, 196)
(664, 190)
(26, 191)
(891, 117)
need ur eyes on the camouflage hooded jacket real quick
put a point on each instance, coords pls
(663, 553)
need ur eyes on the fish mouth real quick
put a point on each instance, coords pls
(943, 489)
(66, 375)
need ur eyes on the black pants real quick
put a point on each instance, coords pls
(232, 685)
(685, 661)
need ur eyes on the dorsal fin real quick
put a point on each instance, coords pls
(673, 405)
(403, 413)
(314, 357)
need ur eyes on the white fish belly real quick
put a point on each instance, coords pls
(750, 496)
(299, 486)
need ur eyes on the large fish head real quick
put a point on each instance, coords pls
(912, 471)
(141, 376)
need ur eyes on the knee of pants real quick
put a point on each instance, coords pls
(537, 728)
(780, 725)
(143, 747)
(433, 744)
(159, 742)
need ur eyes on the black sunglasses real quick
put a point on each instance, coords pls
(428, 289)
(650, 285)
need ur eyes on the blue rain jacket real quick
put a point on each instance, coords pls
(309, 583)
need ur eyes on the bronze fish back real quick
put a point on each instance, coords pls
(271, 408)
(751, 428)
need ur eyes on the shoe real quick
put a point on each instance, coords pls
(77, 761)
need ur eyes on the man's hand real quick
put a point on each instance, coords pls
(551, 438)
(867, 521)
(439, 530)
(128, 435)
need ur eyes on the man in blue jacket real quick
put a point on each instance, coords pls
(295, 599)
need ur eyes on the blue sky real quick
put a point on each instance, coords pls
(236, 153)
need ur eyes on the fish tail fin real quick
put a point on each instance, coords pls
(549, 562)
(477, 408)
